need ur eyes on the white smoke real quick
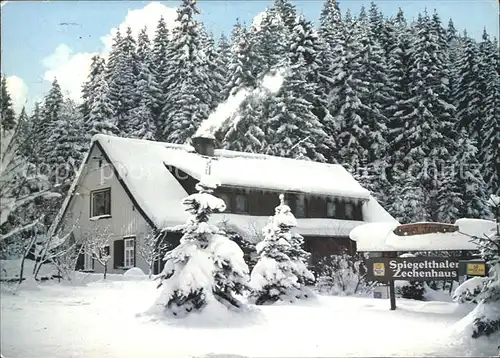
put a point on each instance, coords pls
(270, 84)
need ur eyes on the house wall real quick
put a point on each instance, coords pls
(125, 219)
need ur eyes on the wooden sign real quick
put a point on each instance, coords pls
(424, 228)
(412, 269)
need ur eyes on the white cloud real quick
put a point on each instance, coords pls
(148, 17)
(71, 69)
(18, 91)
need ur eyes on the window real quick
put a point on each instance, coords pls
(129, 253)
(227, 200)
(349, 211)
(331, 209)
(88, 263)
(300, 206)
(241, 206)
(100, 202)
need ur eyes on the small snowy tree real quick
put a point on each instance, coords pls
(487, 313)
(281, 272)
(97, 245)
(206, 266)
(151, 249)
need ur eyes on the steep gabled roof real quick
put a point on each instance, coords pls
(147, 170)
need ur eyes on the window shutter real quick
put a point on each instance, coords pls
(80, 261)
(118, 253)
(135, 252)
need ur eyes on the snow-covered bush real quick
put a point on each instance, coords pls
(281, 273)
(469, 290)
(206, 267)
(342, 274)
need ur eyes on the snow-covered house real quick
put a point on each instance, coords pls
(133, 187)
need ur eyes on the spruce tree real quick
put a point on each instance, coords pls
(333, 61)
(468, 95)
(97, 67)
(187, 101)
(206, 266)
(102, 116)
(431, 119)
(286, 10)
(241, 65)
(294, 130)
(147, 89)
(489, 142)
(471, 185)
(486, 314)
(120, 76)
(142, 124)
(246, 133)
(6, 110)
(160, 67)
(67, 145)
(281, 273)
(271, 43)
(52, 108)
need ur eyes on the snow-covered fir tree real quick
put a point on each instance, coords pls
(146, 86)
(287, 11)
(206, 267)
(471, 185)
(160, 65)
(271, 42)
(281, 273)
(487, 313)
(120, 76)
(246, 132)
(489, 144)
(217, 71)
(294, 130)
(102, 116)
(53, 103)
(468, 96)
(67, 147)
(6, 110)
(89, 91)
(242, 71)
(187, 100)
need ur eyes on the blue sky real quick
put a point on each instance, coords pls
(41, 40)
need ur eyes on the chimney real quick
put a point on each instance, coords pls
(204, 144)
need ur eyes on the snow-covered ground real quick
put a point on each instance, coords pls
(100, 319)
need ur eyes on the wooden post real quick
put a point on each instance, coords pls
(392, 294)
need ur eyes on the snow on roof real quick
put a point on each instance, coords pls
(251, 226)
(380, 237)
(236, 168)
(149, 171)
